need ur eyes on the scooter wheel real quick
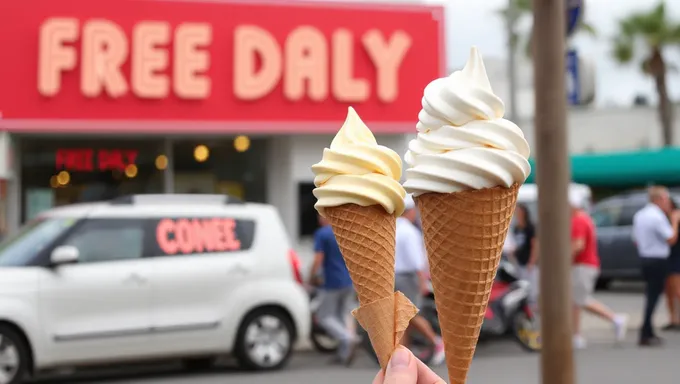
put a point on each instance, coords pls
(323, 342)
(526, 331)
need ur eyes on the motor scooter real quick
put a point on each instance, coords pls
(510, 310)
(323, 342)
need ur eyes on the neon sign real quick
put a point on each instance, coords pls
(90, 160)
(188, 236)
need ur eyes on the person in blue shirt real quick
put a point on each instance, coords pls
(337, 300)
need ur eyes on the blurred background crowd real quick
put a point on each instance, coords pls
(103, 100)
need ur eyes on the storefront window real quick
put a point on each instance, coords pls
(309, 221)
(57, 172)
(234, 166)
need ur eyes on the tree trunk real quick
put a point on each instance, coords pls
(657, 68)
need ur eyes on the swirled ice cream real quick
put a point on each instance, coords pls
(463, 140)
(356, 170)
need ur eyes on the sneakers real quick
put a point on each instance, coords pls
(620, 327)
(651, 342)
(579, 342)
(671, 327)
(438, 356)
(620, 323)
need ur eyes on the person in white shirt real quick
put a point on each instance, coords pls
(654, 235)
(410, 275)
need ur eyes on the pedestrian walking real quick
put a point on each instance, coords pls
(525, 253)
(654, 234)
(337, 300)
(673, 282)
(410, 276)
(585, 272)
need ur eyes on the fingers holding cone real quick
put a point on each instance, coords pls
(386, 321)
(405, 368)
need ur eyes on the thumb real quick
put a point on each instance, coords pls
(402, 368)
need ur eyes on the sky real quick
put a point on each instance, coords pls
(617, 84)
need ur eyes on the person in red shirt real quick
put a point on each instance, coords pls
(585, 272)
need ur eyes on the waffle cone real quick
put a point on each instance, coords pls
(464, 235)
(366, 237)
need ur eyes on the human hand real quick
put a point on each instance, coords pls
(404, 368)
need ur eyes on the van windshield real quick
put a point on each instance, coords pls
(22, 247)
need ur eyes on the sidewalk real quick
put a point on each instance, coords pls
(629, 302)
(626, 364)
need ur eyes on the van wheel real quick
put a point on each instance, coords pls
(13, 357)
(265, 340)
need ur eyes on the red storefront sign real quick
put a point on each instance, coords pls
(218, 66)
(89, 160)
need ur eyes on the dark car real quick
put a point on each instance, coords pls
(614, 219)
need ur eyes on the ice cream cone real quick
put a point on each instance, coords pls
(366, 236)
(464, 234)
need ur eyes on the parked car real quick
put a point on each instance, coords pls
(141, 277)
(614, 219)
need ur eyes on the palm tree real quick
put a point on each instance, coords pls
(518, 9)
(650, 31)
(514, 12)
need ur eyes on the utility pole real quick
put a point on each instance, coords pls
(553, 176)
(511, 18)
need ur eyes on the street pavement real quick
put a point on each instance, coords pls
(495, 361)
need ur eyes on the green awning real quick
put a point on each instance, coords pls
(624, 169)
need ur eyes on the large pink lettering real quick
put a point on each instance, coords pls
(163, 231)
(197, 235)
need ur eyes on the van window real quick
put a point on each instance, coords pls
(101, 240)
(23, 247)
(198, 235)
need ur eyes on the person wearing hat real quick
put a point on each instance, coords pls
(585, 272)
(410, 275)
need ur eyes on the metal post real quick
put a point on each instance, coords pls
(553, 176)
(511, 17)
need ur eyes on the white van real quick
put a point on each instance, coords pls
(147, 277)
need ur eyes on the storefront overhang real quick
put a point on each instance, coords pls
(624, 169)
(173, 67)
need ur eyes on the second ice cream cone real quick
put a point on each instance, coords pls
(464, 235)
(366, 237)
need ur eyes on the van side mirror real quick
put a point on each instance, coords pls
(64, 254)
